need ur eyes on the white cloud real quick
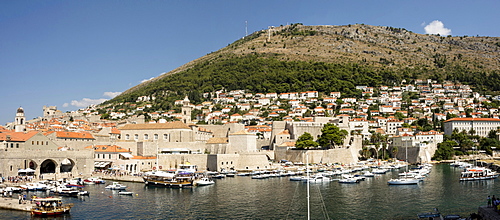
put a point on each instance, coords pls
(437, 27)
(145, 80)
(84, 102)
(111, 94)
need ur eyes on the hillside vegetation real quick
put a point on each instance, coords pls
(297, 58)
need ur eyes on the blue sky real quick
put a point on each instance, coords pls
(73, 53)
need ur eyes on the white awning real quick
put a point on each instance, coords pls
(127, 155)
(101, 164)
(66, 162)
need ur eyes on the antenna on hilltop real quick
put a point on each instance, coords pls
(269, 33)
(246, 28)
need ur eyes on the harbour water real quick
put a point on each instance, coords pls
(280, 198)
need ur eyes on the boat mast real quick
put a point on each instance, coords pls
(157, 154)
(308, 198)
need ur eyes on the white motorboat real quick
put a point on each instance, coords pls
(261, 176)
(97, 180)
(478, 173)
(317, 179)
(116, 186)
(368, 174)
(204, 182)
(379, 171)
(348, 180)
(125, 193)
(66, 191)
(83, 193)
(403, 181)
(297, 178)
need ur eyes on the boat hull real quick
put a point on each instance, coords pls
(49, 213)
(169, 183)
(403, 182)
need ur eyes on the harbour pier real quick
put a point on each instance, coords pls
(13, 204)
(488, 213)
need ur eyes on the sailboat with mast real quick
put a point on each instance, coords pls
(405, 180)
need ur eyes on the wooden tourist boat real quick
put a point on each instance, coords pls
(50, 207)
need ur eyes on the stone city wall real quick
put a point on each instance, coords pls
(13, 160)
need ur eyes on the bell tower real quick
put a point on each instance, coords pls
(20, 120)
(186, 110)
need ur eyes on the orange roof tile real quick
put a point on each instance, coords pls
(142, 157)
(108, 148)
(473, 119)
(17, 136)
(75, 135)
(217, 140)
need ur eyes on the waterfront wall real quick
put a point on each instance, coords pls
(421, 154)
(12, 160)
(216, 162)
(173, 160)
(338, 155)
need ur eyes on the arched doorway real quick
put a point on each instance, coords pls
(66, 166)
(48, 166)
(32, 165)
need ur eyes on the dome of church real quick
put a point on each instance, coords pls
(20, 110)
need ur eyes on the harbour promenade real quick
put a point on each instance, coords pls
(488, 213)
(124, 178)
(13, 204)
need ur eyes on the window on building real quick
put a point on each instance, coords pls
(146, 136)
(127, 137)
(155, 136)
(165, 136)
(17, 145)
(109, 156)
(136, 137)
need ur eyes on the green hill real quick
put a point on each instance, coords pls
(297, 58)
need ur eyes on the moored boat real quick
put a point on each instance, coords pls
(116, 186)
(49, 207)
(95, 180)
(403, 181)
(478, 173)
(205, 181)
(174, 179)
(65, 191)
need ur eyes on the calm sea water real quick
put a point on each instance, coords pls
(279, 198)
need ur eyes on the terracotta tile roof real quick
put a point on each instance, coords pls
(284, 132)
(473, 119)
(242, 132)
(288, 144)
(74, 135)
(218, 140)
(115, 130)
(17, 136)
(108, 148)
(168, 125)
(142, 158)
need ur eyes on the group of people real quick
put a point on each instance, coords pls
(17, 179)
(494, 202)
(22, 198)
